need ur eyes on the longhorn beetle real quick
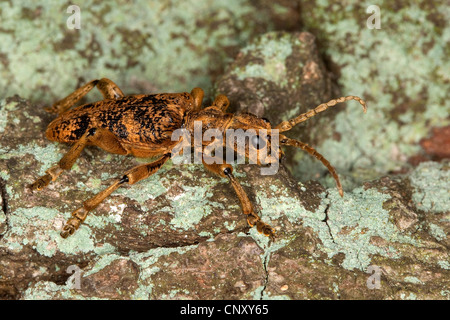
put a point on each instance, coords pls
(142, 125)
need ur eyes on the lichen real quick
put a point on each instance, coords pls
(103, 261)
(190, 207)
(146, 261)
(431, 187)
(352, 222)
(146, 44)
(444, 264)
(17, 235)
(46, 290)
(142, 192)
(4, 108)
(47, 155)
(414, 280)
(44, 223)
(193, 203)
(375, 64)
(437, 232)
(411, 296)
(272, 67)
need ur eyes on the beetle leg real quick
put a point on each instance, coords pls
(221, 102)
(197, 94)
(225, 171)
(65, 163)
(130, 177)
(99, 137)
(108, 89)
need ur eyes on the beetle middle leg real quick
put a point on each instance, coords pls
(130, 177)
(99, 137)
(226, 171)
(107, 88)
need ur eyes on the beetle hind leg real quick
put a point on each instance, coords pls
(99, 137)
(130, 177)
(107, 88)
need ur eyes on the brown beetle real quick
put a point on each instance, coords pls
(142, 125)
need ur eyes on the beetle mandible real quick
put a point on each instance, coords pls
(141, 125)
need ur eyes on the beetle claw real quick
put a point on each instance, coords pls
(40, 183)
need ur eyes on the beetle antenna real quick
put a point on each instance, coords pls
(287, 125)
(284, 141)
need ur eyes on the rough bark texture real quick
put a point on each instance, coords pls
(180, 234)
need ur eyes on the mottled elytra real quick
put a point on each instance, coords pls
(142, 126)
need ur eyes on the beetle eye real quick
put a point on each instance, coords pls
(258, 143)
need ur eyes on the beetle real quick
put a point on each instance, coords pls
(142, 126)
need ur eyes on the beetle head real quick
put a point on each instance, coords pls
(253, 138)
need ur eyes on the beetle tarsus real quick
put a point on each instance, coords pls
(40, 183)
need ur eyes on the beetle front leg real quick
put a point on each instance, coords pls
(130, 177)
(226, 171)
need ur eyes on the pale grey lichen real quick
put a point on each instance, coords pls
(152, 44)
(352, 222)
(404, 102)
(273, 67)
(431, 187)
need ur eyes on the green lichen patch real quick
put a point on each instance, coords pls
(37, 227)
(143, 46)
(288, 207)
(142, 192)
(190, 207)
(404, 102)
(431, 187)
(147, 262)
(47, 290)
(4, 108)
(352, 222)
(273, 52)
